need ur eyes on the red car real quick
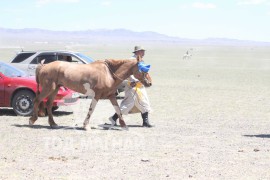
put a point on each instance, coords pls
(18, 90)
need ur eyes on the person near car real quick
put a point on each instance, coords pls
(136, 98)
(67, 58)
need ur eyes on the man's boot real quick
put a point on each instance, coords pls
(113, 119)
(146, 120)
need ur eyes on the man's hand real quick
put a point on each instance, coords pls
(133, 84)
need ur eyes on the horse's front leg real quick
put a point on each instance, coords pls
(91, 110)
(118, 112)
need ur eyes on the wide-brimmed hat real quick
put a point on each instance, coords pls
(138, 48)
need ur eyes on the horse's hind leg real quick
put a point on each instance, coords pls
(49, 107)
(41, 109)
(91, 110)
(118, 111)
(34, 116)
(44, 93)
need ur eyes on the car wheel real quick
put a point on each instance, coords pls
(22, 103)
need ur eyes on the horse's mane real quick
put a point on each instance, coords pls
(114, 64)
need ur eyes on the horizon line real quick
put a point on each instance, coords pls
(158, 33)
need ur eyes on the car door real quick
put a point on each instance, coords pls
(46, 58)
(2, 89)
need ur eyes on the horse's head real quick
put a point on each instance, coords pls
(140, 72)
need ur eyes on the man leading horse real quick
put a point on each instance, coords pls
(102, 77)
(136, 99)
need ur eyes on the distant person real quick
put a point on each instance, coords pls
(187, 55)
(66, 58)
(136, 99)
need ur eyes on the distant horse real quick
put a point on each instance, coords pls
(99, 79)
(187, 56)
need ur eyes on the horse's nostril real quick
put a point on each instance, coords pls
(150, 84)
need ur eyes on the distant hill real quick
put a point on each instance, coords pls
(33, 35)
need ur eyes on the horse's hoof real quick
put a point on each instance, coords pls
(53, 126)
(125, 128)
(85, 128)
(41, 114)
(31, 123)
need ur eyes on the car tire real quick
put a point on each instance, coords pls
(23, 103)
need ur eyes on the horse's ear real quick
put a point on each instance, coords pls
(42, 61)
(139, 58)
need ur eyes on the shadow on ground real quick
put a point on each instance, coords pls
(61, 113)
(47, 127)
(258, 135)
(7, 112)
(10, 112)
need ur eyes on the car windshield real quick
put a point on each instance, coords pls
(11, 71)
(84, 57)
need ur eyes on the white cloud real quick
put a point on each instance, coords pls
(106, 3)
(200, 5)
(40, 3)
(252, 2)
(184, 6)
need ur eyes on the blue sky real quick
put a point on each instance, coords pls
(238, 19)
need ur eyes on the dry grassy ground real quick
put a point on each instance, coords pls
(212, 117)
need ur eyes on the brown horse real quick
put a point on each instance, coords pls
(99, 80)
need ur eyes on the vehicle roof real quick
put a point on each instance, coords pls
(48, 51)
(32, 54)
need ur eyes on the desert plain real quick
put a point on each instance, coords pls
(211, 115)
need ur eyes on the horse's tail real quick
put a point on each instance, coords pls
(39, 67)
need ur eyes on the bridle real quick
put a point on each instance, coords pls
(143, 73)
(145, 77)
